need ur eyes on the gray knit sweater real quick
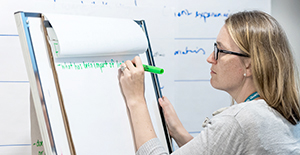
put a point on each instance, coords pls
(246, 128)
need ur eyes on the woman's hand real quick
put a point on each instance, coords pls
(132, 81)
(176, 129)
(132, 85)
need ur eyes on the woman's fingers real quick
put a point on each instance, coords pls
(129, 65)
(138, 62)
(134, 64)
(166, 105)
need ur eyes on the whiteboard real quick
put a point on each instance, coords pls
(191, 94)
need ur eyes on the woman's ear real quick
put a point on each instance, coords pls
(248, 67)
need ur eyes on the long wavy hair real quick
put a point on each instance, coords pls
(273, 67)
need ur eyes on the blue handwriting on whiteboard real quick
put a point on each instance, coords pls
(186, 51)
(206, 15)
(89, 2)
(199, 14)
(183, 12)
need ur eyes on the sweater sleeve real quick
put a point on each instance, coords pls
(152, 147)
(223, 135)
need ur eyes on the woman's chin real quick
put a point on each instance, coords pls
(215, 85)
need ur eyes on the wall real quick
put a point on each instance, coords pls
(287, 13)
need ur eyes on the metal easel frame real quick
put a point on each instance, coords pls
(36, 85)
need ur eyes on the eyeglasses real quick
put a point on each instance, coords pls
(216, 52)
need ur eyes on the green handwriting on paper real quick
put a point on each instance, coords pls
(39, 144)
(90, 65)
(42, 153)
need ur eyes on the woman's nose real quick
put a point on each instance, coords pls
(211, 59)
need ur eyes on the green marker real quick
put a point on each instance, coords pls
(153, 69)
(148, 68)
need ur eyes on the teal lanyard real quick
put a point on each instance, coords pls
(252, 97)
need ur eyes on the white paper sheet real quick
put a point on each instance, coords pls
(95, 36)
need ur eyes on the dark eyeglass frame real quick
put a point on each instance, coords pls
(216, 52)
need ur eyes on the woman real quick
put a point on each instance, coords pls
(252, 62)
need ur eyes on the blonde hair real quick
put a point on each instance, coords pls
(273, 68)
